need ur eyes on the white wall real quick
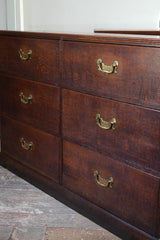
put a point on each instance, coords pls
(11, 14)
(3, 20)
(86, 15)
(79, 15)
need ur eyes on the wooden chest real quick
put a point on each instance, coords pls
(80, 119)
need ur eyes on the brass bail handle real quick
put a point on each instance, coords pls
(25, 100)
(107, 69)
(25, 56)
(104, 124)
(26, 146)
(102, 181)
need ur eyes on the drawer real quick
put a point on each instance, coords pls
(42, 65)
(135, 139)
(121, 190)
(137, 79)
(33, 103)
(31, 147)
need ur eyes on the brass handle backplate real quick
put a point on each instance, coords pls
(25, 100)
(26, 146)
(25, 56)
(103, 182)
(104, 124)
(107, 69)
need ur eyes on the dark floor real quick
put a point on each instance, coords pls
(26, 213)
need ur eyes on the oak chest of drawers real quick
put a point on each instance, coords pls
(80, 119)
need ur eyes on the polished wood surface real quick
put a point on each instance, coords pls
(136, 80)
(44, 155)
(109, 221)
(137, 32)
(135, 132)
(68, 91)
(43, 66)
(43, 113)
(120, 39)
(130, 192)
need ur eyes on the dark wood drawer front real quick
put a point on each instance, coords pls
(136, 136)
(133, 195)
(43, 65)
(137, 79)
(32, 103)
(43, 155)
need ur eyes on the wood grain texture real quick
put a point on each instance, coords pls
(0, 107)
(100, 216)
(135, 139)
(131, 96)
(133, 194)
(137, 78)
(121, 39)
(42, 67)
(136, 32)
(43, 157)
(44, 111)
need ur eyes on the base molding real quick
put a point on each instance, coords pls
(72, 200)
